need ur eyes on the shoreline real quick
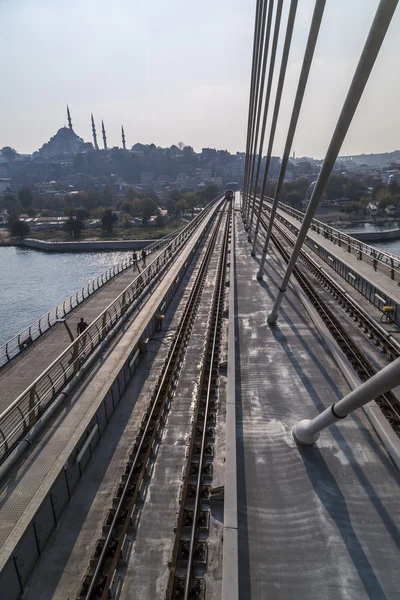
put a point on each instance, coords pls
(83, 246)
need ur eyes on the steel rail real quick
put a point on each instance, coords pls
(99, 583)
(389, 345)
(181, 588)
(385, 260)
(388, 402)
(336, 236)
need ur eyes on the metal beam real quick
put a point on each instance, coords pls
(307, 431)
(249, 120)
(371, 49)
(266, 34)
(278, 97)
(253, 193)
(305, 70)
(257, 67)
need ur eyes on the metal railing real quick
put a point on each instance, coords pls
(24, 338)
(25, 411)
(385, 262)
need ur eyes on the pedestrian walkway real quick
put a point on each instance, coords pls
(379, 279)
(25, 368)
(317, 522)
(27, 485)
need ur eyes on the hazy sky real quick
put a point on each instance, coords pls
(179, 70)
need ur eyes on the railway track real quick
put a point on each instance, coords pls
(101, 580)
(388, 403)
(189, 554)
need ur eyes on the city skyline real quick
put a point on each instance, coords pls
(169, 73)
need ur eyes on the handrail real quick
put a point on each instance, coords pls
(14, 346)
(343, 236)
(28, 407)
(378, 257)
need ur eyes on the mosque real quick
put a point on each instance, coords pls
(66, 141)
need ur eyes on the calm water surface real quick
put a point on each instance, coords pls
(32, 282)
(392, 246)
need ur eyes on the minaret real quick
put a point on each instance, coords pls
(123, 137)
(69, 118)
(96, 146)
(104, 135)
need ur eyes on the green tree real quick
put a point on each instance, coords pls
(175, 195)
(131, 194)
(9, 153)
(97, 212)
(354, 189)
(393, 186)
(126, 220)
(108, 196)
(69, 211)
(127, 208)
(351, 207)
(25, 197)
(91, 199)
(293, 198)
(12, 205)
(160, 221)
(171, 200)
(181, 206)
(149, 209)
(335, 186)
(377, 188)
(364, 201)
(192, 200)
(209, 193)
(31, 212)
(108, 220)
(385, 199)
(74, 227)
(18, 228)
(10, 198)
(82, 214)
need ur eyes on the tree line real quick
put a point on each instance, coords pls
(100, 205)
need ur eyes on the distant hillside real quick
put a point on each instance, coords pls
(382, 160)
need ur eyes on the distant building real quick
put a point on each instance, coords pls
(4, 185)
(46, 187)
(146, 177)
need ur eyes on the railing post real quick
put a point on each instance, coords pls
(123, 304)
(75, 356)
(32, 415)
(307, 431)
(104, 326)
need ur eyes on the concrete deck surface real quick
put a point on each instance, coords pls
(317, 522)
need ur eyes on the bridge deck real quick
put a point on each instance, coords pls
(379, 278)
(319, 522)
(23, 370)
(27, 484)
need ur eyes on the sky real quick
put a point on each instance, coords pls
(179, 70)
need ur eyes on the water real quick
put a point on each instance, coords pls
(384, 226)
(32, 282)
(392, 246)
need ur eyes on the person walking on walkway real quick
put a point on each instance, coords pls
(81, 327)
(135, 260)
(144, 257)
